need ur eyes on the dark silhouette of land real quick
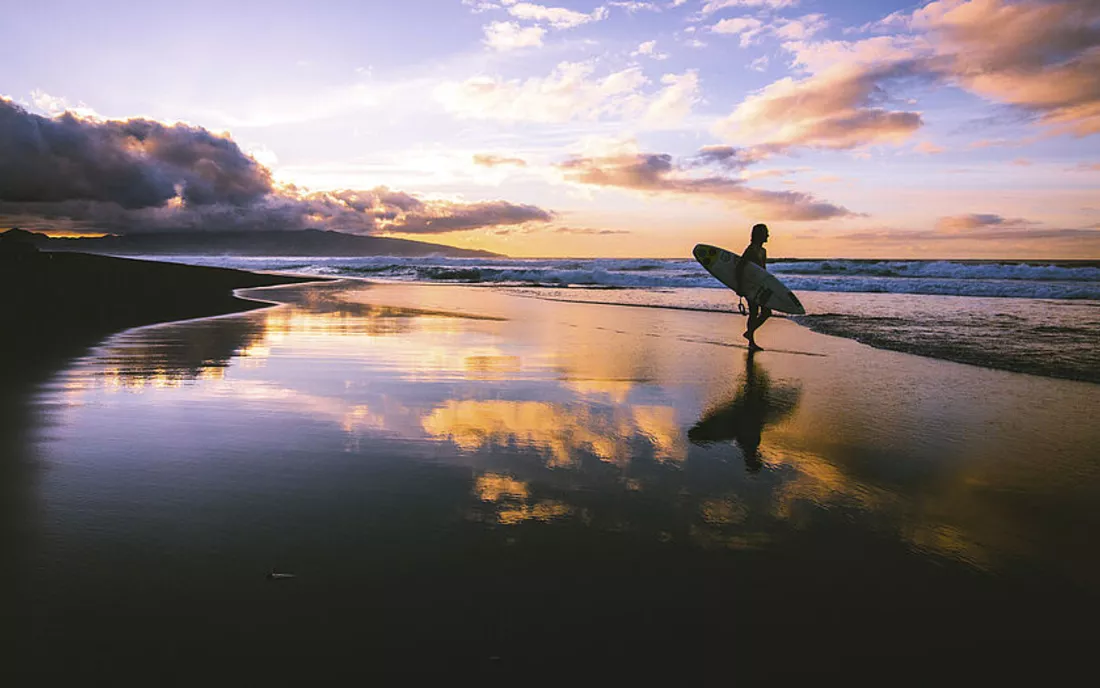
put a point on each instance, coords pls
(53, 306)
(309, 242)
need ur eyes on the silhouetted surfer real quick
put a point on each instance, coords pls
(755, 253)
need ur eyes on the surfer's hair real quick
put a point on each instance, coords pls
(759, 232)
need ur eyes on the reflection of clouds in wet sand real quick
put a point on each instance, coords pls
(512, 503)
(563, 432)
(382, 366)
(817, 481)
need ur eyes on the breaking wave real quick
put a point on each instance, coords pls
(1033, 280)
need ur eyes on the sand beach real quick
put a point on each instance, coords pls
(474, 483)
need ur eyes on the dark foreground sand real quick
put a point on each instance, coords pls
(482, 486)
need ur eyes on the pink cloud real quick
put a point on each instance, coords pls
(655, 173)
(838, 109)
(954, 224)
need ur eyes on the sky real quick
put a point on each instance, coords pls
(853, 128)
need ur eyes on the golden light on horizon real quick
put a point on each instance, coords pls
(69, 234)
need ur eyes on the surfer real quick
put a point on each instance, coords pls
(755, 253)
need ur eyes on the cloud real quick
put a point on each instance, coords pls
(751, 29)
(649, 49)
(1086, 167)
(1072, 237)
(139, 175)
(929, 148)
(748, 28)
(439, 217)
(674, 102)
(590, 231)
(655, 173)
(55, 105)
(371, 211)
(135, 163)
(727, 157)
(492, 160)
(633, 6)
(801, 28)
(953, 224)
(479, 6)
(503, 36)
(1041, 56)
(573, 92)
(839, 109)
(557, 17)
(712, 6)
(569, 92)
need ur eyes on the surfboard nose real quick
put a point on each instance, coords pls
(704, 254)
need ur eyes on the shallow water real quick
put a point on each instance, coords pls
(1041, 317)
(472, 482)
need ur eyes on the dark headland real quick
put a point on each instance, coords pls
(56, 304)
(309, 242)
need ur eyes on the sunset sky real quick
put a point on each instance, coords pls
(854, 128)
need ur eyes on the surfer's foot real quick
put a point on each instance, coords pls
(753, 346)
(747, 335)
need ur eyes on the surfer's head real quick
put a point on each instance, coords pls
(759, 233)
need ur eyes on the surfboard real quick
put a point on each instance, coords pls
(760, 286)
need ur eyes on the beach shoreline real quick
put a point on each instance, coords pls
(488, 474)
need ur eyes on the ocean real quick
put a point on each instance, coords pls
(1036, 317)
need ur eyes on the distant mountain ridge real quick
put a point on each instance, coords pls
(308, 242)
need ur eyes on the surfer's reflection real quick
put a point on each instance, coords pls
(742, 419)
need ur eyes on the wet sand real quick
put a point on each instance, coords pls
(472, 483)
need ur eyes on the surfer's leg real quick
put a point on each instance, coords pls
(753, 323)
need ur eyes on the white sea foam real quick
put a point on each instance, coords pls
(1035, 280)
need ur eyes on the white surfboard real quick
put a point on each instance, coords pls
(760, 286)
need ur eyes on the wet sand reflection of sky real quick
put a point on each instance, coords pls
(577, 420)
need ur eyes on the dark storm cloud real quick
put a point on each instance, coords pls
(134, 163)
(137, 175)
(351, 211)
(655, 173)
